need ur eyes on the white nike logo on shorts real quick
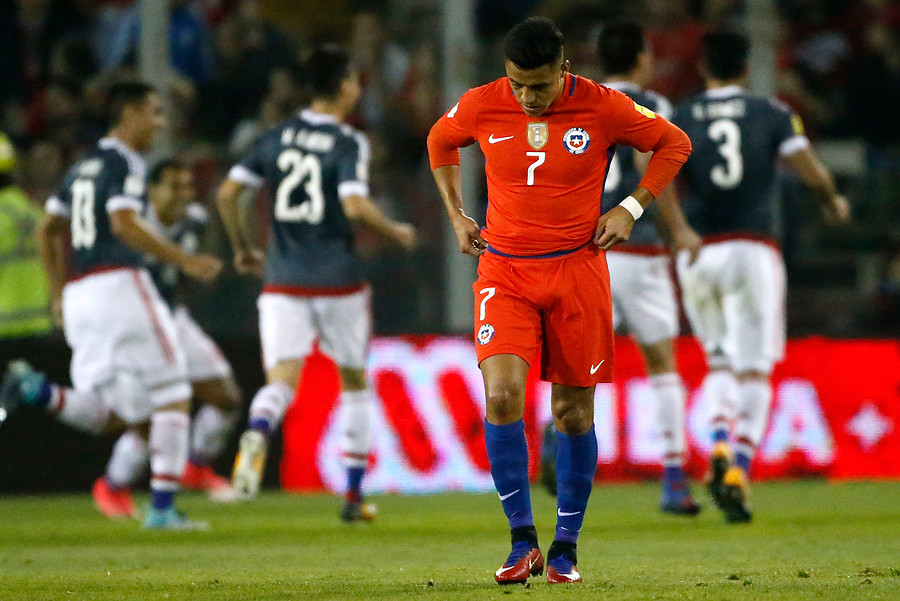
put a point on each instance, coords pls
(493, 140)
(505, 497)
(594, 368)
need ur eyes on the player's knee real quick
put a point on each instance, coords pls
(505, 403)
(659, 356)
(223, 393)
(353, 378)
(573, 415)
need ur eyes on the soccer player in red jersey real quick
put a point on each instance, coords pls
(543, 286)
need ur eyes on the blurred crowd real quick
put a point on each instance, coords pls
(234, 73)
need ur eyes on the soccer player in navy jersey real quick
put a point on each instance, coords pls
(316, 170)
(734, 292)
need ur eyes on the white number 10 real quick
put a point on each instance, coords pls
(541, 157)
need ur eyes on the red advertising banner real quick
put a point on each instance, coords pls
(835, 413)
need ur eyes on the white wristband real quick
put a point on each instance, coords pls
(631, 205)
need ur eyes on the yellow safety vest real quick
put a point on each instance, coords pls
(24, 299)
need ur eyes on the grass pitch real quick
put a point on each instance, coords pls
(810, 540)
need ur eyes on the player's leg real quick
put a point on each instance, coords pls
(507, 449)
(217, 397)
(670, 400)
(576, 464)
(127, 464)
(82, 410)
(287, 333)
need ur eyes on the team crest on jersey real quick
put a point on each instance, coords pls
(576, 140)
(537, 134)
(485, 334)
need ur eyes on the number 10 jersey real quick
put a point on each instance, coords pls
(308, 164)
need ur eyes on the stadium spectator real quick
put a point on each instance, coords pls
(542, 280)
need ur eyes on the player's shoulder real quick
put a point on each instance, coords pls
(116, 156)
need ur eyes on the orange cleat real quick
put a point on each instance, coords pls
(113, 503)
(523, 561)
(202, 477)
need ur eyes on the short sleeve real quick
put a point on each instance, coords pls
(126, 184)
(250, 169)
(789, 131)
(454, 130)
(353, 167)
(56, 206)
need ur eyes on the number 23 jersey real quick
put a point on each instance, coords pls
(309, 163)
(545, 174)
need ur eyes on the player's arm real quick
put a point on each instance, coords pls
(247, 258)
(646, 132)
(362, 211)
(131, 229)
(51, 242)
(447, 136)
(817, 176)
(671, 222)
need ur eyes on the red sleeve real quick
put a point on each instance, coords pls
(646, 131)
(453, 131)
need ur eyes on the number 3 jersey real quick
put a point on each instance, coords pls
(731, 174)
(309, 163)
(545, 174)
(108, 178)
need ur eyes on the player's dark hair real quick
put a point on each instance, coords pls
(725, 53)
(325, 70)
(156, 174)
(126, 93)
(533, 43)
(619, 44)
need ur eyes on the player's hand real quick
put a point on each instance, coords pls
(205, 268)
(687, 239)
(837, 210)
(613, 227)
(251, 261)
(405, 236)
(468, 235)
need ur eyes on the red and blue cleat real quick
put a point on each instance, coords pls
(524, 560)
(562, 570)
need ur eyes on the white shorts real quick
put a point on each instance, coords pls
(289, 325)
(643, 296)
(124, 343)
(734, 296)
(205, 360)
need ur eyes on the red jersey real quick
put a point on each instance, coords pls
(545, 174)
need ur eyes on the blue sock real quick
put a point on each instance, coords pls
(576, 464)
(720, 435)
(161, 499)
(673, 475)
(354, 481)
(507, 451)
(742, 460)
(260, 424)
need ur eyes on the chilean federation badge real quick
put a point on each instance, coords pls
(537, 135)
(485, 334)
(576, 140)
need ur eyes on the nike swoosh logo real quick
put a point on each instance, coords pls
(493, 140)
(563, 514)
(501, 570)
(505, 497)
(594, 368)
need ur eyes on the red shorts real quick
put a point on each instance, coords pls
(559, 306)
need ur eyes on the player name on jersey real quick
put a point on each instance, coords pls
(726, 109)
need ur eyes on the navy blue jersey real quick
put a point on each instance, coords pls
(185, 233)
(624, 175)
(731, 174)
(108, 178)
(309, 163)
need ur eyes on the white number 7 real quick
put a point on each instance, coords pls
(541, 156)
(489, 292)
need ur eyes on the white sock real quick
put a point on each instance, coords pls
(130, 458)
(670, 416)
(210, 432)
(721, 391)
(753, 414)
(83, 410)
(270, 403)
(168, 448)
(356, 427)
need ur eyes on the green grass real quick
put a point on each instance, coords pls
(810, 540)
